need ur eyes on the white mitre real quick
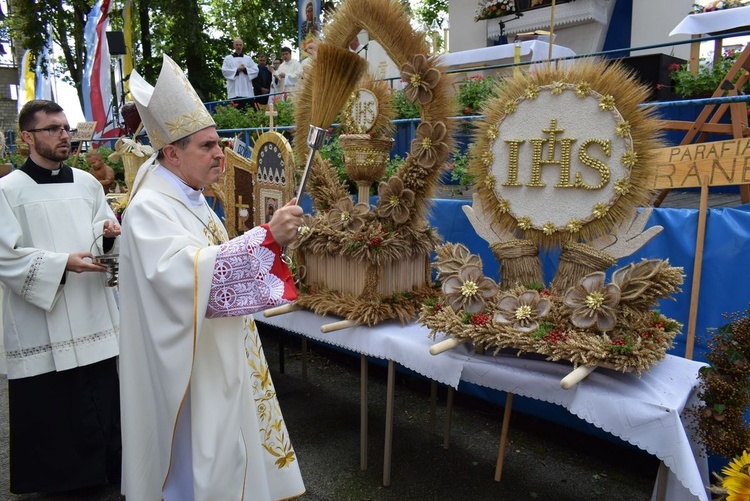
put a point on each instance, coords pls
(170, 110)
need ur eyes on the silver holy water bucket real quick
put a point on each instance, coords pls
(110, 261)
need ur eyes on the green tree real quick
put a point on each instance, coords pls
(197, 34)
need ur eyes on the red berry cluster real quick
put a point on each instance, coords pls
(480, 319)
(555, 336)
(619, 342)
(376, 242)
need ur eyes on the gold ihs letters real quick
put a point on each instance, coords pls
(538, 159)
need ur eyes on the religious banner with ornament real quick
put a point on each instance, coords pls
(563, 159)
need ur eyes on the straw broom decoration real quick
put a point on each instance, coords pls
(335, 73)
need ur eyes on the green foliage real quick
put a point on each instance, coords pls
(710, 76)
(403, 107)
(231, 117)
(459, 167)
(197, 34)
(474, 91)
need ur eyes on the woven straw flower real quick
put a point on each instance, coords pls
(395, 200)
(593, 303)
(451, 258)
(634, 279)
(429, 144)
(468, 289)
(347, 216)
(524, 311)
(420, 78)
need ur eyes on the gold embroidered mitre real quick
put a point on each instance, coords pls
(170, 110)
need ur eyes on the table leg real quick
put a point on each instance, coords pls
(661, 482)
(448, 415)
(433, 405)
(503, 437)
(363, 412)
(304, 359)
(282, 335)
(389, 424)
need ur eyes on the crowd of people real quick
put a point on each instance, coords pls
(164, 387)
(251, 83)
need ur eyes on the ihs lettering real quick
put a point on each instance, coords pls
(364, 112)
(566, 145)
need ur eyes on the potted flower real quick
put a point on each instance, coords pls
(710, 76)
(490, 9)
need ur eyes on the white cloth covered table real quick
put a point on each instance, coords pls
(711, 22)
(406, 345)
(645, 411)
(531, 50)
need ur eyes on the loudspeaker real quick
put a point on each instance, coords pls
(653, 70)
(116, 43)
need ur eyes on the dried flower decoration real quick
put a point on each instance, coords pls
(557, 88)
(429, 144)
(635, 278)
(524, 311)
(583, 89)
(420, 78)
(468, 289)
(593, 303)
(346, 216)
(395, 200)
(453, 257)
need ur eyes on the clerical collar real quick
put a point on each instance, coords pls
(191, 197)
(40, 175)
(234, 54)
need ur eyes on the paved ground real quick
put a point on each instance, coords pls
(544, 461)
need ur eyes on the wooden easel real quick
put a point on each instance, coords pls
(708, 121)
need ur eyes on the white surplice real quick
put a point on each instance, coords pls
(49, 326)
(293, 72)
(239, 84)
(200, 418)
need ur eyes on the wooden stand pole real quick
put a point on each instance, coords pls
(335, 326)
(503, 437)
(433, 406)
(388, 448)
(280, 310)
(448, 414)
(697, 268)
(363, 418)
(448, 344)
(576, 376)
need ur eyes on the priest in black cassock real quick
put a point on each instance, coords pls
(60, 321)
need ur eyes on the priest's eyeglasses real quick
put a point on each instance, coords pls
(55, 130)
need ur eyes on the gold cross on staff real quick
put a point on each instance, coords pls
(270, 114)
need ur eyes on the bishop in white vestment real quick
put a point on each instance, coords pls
(200, 416)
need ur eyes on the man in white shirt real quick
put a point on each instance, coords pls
(239, 69)
(61, 323)
(289, 72)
